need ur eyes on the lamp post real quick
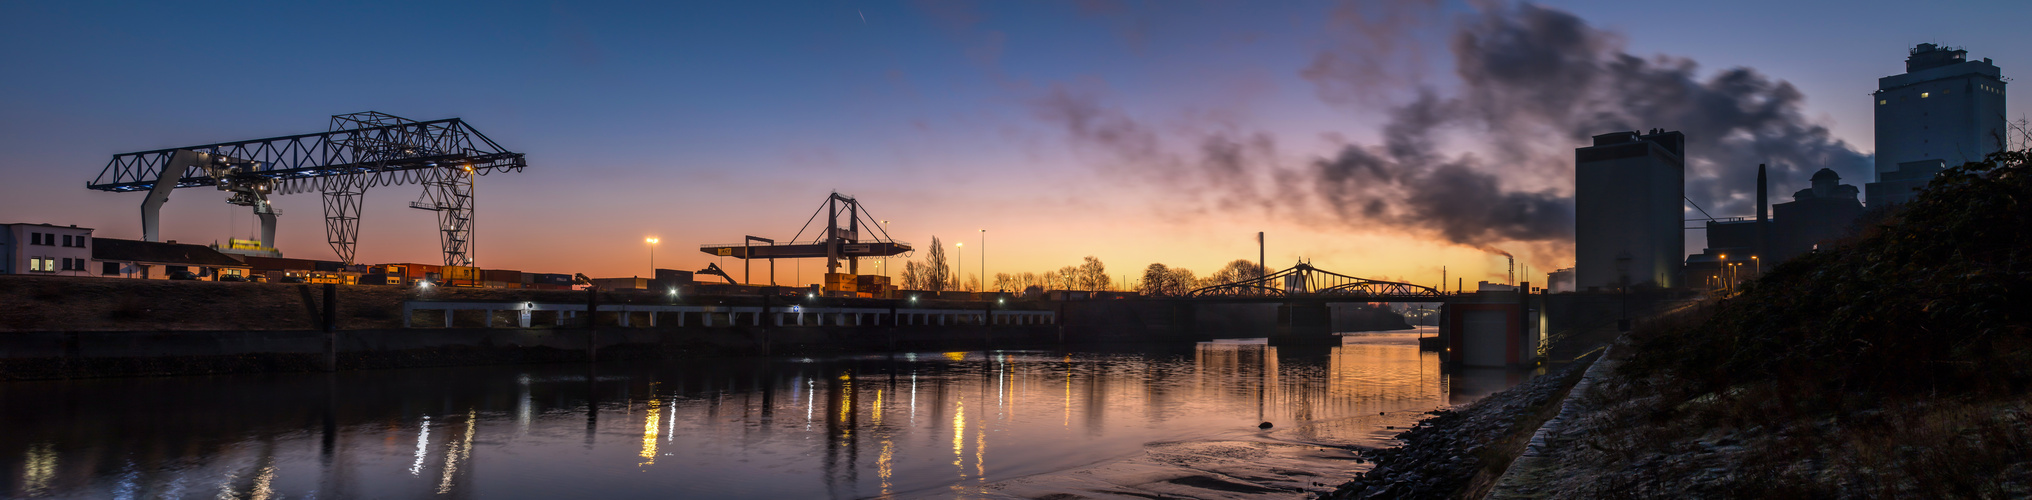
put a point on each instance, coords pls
(884, 270)
(652, 255)
(1758, 266)
(984, 260)
(960, 278)
(1722, 274)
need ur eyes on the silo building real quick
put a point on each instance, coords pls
(1628, 220)
(1943, 111)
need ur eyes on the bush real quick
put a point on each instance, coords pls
(1935, 299)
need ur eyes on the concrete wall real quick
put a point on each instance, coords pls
(41, 355)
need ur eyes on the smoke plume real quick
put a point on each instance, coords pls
(1530, 84)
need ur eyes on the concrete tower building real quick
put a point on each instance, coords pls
(1944, 111)
(1628, 227)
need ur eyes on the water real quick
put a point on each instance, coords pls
(1005, 424)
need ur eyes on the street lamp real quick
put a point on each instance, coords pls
(961, 279)
(1758, 269)
(1722, 273)
(984, 260)
(652, 255)
(885, 234)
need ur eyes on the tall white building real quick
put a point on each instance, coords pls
(45, 249)
(1943, 111)
(1628, 220)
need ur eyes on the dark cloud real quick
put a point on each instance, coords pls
(1535, 76)
(1532, 84)
(1406, 183)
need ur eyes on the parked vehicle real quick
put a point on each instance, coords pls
(183, 276)
(289, 279)
(232, 278)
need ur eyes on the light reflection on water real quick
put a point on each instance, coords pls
(962, 424)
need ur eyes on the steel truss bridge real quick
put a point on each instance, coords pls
(1302, 281)
(357, 151)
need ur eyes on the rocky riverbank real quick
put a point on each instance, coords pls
(1461, 451)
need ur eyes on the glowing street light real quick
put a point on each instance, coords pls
(961, 278)
(652, 255)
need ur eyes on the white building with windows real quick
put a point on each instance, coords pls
(45, 249)
(1942, 112)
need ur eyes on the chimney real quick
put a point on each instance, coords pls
(1763, 212)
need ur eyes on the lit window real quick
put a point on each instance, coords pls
(1923, 95)
(1881, 102)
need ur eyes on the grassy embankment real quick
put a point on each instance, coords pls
(1895, 364)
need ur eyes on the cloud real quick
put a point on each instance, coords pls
(1529, 84)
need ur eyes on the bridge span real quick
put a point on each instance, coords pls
(1302, 281)
(1476, 329)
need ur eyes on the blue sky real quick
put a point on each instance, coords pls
(702, 122)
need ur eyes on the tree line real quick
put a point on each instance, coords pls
(937, 274)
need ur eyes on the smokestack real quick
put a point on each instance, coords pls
(1763, 212)
(1513, 269)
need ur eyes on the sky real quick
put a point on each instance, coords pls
(1042, 132)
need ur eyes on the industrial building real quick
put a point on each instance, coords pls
(117, 258)
(279, 269)
(1815, 215)
(1560, 281)
(1943, 111)
(1628, 189)
(1739, 248)
(45, 249)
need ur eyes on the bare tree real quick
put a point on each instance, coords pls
(1181, 279)
(1092, 275)
(1237, 271)
(913, 275)
(933, 275)
(1157, 281)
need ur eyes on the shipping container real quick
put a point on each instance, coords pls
(466, 276)
(551, 279)
(840, 282)
(621, 283)
(501, 275)
(264, 264)
(674, 276)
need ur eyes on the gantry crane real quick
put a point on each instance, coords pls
(356, 152)
(837, 243)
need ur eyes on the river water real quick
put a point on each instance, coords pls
(1000, 424)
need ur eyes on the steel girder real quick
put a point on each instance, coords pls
(1303, 280)
(451, 196)
(358, 151)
